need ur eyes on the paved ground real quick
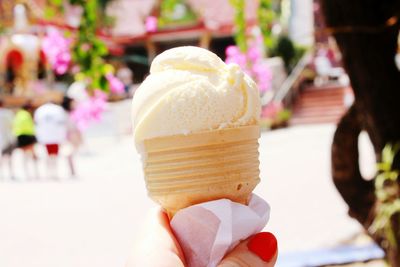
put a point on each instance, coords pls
(93, 220)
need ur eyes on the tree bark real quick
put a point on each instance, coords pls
(355, 190)
(366, 32)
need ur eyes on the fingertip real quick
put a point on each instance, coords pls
(260, 250)
(264, 245)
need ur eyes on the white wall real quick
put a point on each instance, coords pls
(301, 22)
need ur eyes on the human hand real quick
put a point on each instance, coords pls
(157, 247)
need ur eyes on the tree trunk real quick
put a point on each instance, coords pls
(366, 32)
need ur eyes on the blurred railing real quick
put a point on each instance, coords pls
(290, 87)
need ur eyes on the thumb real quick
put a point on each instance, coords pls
(260, 250)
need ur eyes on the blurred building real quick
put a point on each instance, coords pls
(23, 64)
(34, 10)
(206, 23)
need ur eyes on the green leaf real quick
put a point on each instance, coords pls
(387, 192)
(49, 12)
(383, 166)
(387, 154)
(56, 2)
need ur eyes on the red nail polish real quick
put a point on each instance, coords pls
(264, 245)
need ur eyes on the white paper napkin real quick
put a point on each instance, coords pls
(207, 231)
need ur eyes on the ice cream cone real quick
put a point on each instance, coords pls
(184, 170)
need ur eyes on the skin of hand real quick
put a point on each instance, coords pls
(157, 247)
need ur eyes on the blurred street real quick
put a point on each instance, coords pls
(92, 220)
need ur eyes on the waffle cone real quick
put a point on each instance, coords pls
(184, 170)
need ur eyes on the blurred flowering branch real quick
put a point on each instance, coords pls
(266, 16)
(252, 63)
(240, 24)
(57, 50)
(89, 109)
(251, 47)
(249, 50)
(87, 51)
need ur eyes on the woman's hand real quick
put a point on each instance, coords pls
(157, 247)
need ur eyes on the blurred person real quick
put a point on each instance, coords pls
(157, 246)
(74, 135)
(77, 91)
(7, 138)
(324, 63)
(125, 75)
(24, 130)
(51, 131)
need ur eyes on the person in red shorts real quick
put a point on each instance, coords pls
(52, 149)
(51, 131)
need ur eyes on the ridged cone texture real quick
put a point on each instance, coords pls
(184, 170)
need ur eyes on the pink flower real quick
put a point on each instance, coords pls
(258, 41)
(271, 110)
(232, 50)
(234, 55)
(57, 50)
(151, 24)
(89, 110)
(240, 59)
(263, 76)
(251, 63)
(254, 54)
(75, 69)
(116, 86)
(86, 47)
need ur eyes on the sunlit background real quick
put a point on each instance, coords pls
(83, 207)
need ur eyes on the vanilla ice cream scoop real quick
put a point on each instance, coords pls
(190, 90)
(195, 126)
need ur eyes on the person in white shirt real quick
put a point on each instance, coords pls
(125, 75)
(51, 130)
(7, 138)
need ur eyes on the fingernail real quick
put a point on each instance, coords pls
(264, 245)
